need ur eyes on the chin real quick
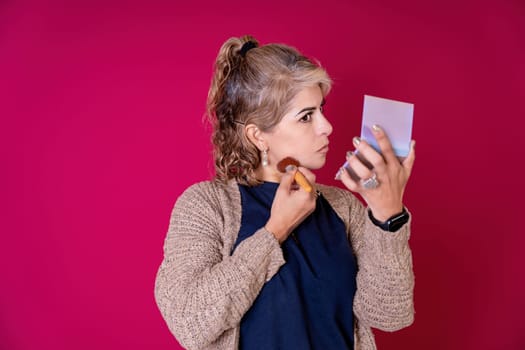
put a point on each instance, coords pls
(314, 164)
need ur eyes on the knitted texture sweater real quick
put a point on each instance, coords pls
(203, 291)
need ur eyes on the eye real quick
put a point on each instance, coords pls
(306, 118)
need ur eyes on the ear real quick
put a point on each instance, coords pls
(256, 136)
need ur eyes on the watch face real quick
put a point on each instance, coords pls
(397, 222)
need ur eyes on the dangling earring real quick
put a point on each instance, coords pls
(264, 157)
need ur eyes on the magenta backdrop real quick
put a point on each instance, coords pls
(101, 106)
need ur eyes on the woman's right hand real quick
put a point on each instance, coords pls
(291, 205)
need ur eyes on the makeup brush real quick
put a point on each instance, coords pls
(299, 177)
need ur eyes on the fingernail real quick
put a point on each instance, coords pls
(339, 172)
(376, 128)
(289, 168)
(413, 143)
(349, 154)
(356, 140)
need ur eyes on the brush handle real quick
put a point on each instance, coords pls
(302, 181)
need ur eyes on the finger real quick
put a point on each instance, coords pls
(408, 163)
(349, 182)
(346, 168)
(360, 169)
(288, 178)
(372, 156)
(384, 144)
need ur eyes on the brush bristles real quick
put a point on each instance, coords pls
(281, 166)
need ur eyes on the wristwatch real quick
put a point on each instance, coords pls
(394, 223)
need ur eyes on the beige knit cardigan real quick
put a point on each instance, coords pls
(203, 292)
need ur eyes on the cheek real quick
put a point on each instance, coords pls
(297, 147)
(292, 140)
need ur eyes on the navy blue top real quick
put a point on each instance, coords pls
(308, 303)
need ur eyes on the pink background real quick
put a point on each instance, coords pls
(101, 108)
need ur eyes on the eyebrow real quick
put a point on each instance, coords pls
(308, 109)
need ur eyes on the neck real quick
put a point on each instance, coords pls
(268, 173)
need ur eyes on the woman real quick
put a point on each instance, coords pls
(254, 261)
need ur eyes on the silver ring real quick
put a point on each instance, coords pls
(370, 183)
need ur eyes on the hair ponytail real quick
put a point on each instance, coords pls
(228, 60)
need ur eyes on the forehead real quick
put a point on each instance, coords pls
(308, 97)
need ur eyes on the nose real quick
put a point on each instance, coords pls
(324, 126)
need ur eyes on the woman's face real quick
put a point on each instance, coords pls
(302, 133)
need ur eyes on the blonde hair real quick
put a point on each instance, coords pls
(253, 86)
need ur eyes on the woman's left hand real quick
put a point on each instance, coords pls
(386, 199)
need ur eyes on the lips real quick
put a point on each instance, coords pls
(323, 149)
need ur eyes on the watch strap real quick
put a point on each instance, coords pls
(392, 224)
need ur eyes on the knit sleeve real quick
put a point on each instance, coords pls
(200, 292)
(385, 279)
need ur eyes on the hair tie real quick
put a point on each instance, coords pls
(246, 47)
